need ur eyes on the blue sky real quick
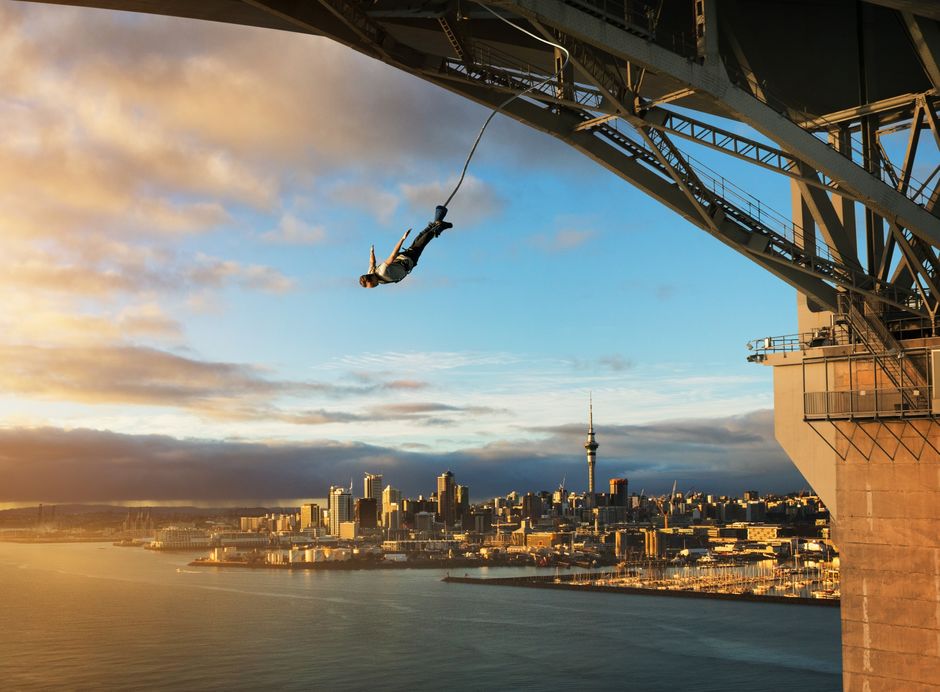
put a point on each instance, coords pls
(189, 206)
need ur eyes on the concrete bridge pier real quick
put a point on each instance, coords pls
(878, 471)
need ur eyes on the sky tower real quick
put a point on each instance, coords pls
(591, 447)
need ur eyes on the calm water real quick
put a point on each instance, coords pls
(95, 616)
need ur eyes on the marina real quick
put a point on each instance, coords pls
(807, 584)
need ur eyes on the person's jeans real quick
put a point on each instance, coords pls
(419, 243)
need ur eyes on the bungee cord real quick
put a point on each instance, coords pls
(512, 98)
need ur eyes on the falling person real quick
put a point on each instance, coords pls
(400, 262)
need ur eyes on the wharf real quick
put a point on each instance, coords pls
(571, 582)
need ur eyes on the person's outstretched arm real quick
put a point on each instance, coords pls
(372, 259)
(391, 257)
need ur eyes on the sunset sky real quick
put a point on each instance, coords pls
(186, 208)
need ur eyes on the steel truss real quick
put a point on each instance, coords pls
(898, 438)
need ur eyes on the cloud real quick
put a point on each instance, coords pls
(128, 269)
(425, 361)
(210, 271)
(614, 362)
(712, 455)
(380, 203)
(145, 320)
(125, 374)
(89, 373)
(405, 384)
(408, 410)
(476, 200)
(562, 240)
(142, 376)
(292, 231)
(665, 292)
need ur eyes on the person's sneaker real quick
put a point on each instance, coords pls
(441, 227)
(440, 212)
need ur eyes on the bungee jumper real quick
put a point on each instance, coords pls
(400, 262)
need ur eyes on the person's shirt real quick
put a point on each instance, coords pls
(391, 273)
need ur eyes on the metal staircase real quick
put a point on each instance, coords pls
(903, 372)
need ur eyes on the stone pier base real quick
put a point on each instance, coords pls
(888, 535)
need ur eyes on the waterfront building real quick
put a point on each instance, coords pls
(421, 546)
(392, 517)
(349, 530)
(285, 522)
(372, 489)
(366, 512)
(482, 521)
(590, 447)
(446, 498)
(309, 516)
(545, 539)
(390, 496)
(341, 508)
(176, 538)
(252, 523)
(240, 539)
(424, 521)
(763, 533)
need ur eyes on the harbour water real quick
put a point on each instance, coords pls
(97, 616)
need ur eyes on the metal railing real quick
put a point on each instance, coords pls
(867, 403)
(836, 335)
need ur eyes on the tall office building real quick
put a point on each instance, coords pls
(366, 511)
(462, 506)
(390, 496)
(372, 489)
(446, 498)
(392, 516)
(618, 492)
(341, 508)
(309, 516)
(531, 507)
(591, 447)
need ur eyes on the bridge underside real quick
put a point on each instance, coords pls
(839, 97)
